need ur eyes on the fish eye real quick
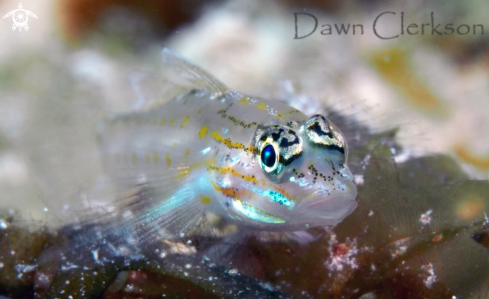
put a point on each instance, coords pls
(268, 156)
(275, 147)
(320, 132)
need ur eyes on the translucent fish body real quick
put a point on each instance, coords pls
(256, 163)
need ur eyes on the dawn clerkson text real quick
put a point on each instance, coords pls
(307, 24)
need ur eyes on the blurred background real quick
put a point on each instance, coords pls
(74, 64)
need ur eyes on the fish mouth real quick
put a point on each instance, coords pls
(327, 206)
(323, 203)
(327, 211)
(320, 202)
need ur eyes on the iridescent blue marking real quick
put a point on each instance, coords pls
(274, 195)
(302, 181)
(256, 214)
(205, 150)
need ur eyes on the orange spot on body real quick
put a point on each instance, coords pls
(224, 170)
(185, 171)
(244, 101)
(184, 122)
(231, 192)
(229, 143)
(203, 131)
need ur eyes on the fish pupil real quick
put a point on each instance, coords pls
(268, 156)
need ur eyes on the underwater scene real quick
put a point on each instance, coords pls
(244, 149)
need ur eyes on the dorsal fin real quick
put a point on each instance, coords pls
(179, 69)
(177, 76)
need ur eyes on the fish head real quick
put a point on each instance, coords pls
(296, 177)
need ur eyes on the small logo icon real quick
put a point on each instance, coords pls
(20, 17)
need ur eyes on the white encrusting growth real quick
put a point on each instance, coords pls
(426, 217)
